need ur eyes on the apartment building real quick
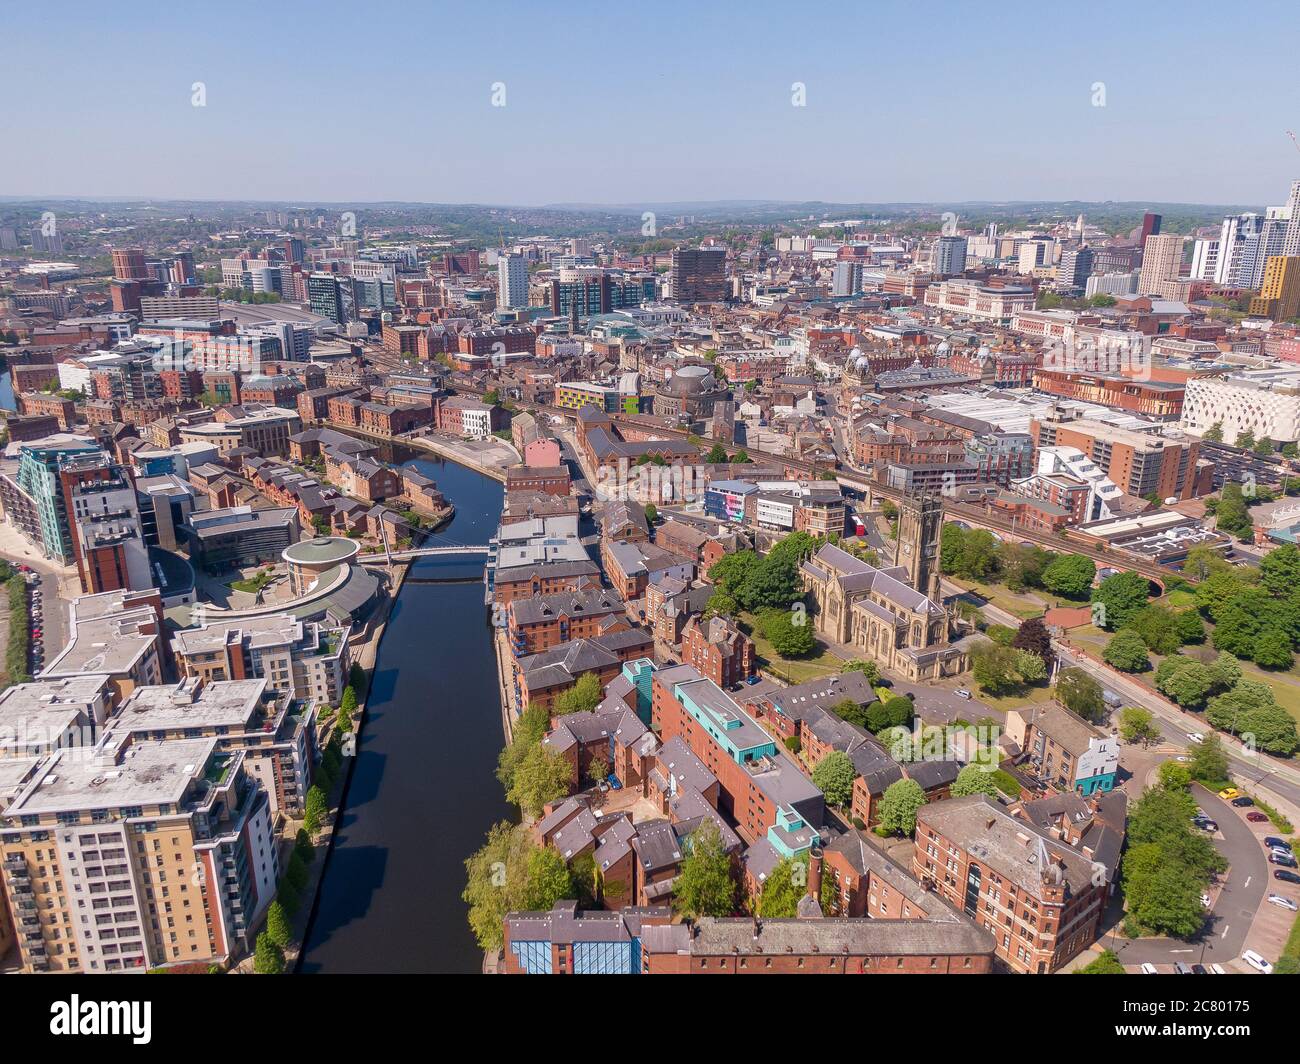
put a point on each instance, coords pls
(1041, 898)
(299, 659)
(718, 650)
(1138, 463)
(116, 633)
(272, 730)
(1063, 749)
(539, 622)
(107, 537)
(539, 679)
(148, 854)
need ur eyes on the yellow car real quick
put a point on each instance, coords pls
(1229, 793)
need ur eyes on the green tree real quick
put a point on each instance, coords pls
(316, 808)
(582, 697)
(540, 778)
(547, 879)
(721, 604)
(1126, 651)
(1273, 650)
(268, 958)
(497, 881)
(1107, 963)
(834, 776)
(973, 779)
(1158, 628)
(1279, 570)
(528, 732)
(1214, 433)
(784, 886)
(1081, 694)
(1070, 575)
(1190, 627)
(1174, 776)
(1209, 763)
(717, 455)
(869, 669)
(706, 884)
(277, 925)
(1137, 725)
(788, 639)
(899, 805)
(1120, 595)
(1186, 682)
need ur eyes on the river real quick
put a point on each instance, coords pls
(422, 793)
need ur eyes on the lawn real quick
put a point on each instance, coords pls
(821, 662)
(1016, 605)
(1027, 697)
(253, 586)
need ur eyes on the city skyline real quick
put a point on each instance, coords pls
(729, 109)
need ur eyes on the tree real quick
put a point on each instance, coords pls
(1209, 763)
(1081, 694)
(651, 513)
(302, 845)
(540, 778)
(894, 712)
(1120, 595)
(1030, 667)
(1186, 682)
(784, 886)
(1174, 776)
(268, 958)
(1137, 725)
(547, 879)
(1231, 514)
(277, 925)
(1279, 570)
(869, 669)
(1214, 433)
(1273, 650)
(496, 881)
(528, 732)
(721, 604)
(316, 805)
(973, 779)
(706, 884)
(834, 776)
(1126, 651)
(788, 639)
(1034, 637)
(1070, 575)
(717, 455)
(1107, 963)
(1203, 562)
(1158, 628)
(1190, 627)
(899, 805)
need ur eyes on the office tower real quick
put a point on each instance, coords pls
(129, 265)
(8, 238)
(950, 256)
(1111, 284)
(846, 279)
(512, 281)
(1075, 267)
(325, 296)
(293, 250)
(104, 525)
(1150, 227)
(699, 275)
(1291, 245)
(1279, 294)
(183, 270)
(1162, 257)
(1265, 241)
(1034, 254)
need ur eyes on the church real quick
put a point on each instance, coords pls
(894, 617)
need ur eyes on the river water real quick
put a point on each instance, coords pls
(422, 793)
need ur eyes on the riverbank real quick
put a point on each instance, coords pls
(489, 457)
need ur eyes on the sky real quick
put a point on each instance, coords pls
(649, 103)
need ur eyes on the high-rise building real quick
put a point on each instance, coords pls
(325, 295)
(104, 525)
(129, 265)
(1291, 244)
(38, 484)
(1162, 258)
(1266, 239)
(1075, 267)
(1150, 227)
(846, 279)
(512, 281)
(1279, 294)
(699, 275)
(1205, 259)
(949, 256)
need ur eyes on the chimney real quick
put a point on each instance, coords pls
(815, 874)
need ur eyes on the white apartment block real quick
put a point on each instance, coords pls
(1073, 462)
(959, 296)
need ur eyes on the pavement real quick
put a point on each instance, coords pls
(59, 585)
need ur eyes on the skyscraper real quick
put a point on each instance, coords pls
(950, 256)
(512, 281)
(1162, 257)
(1279, 294)
(1075, 267)
(699, 275)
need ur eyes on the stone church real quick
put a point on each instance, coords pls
(895, 616)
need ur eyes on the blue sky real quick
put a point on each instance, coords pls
(616, 103)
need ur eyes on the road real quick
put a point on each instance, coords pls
(1243, 890)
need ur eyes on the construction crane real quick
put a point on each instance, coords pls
(1290, 134)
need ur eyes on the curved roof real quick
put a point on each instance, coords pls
(322, 550)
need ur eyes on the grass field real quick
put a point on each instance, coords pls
(1030, 696)
(793, 670)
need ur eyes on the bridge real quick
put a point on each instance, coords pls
(423, 552)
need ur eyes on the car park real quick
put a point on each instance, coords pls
(1282, 902)
(1257, 962)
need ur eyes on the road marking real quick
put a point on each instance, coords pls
(1247, 883)
(1225, 932)
(1182, 951)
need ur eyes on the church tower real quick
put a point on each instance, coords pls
(920, 522)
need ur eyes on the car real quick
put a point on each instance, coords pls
(1282, 902)
(1217, 969)
(1148, 968)
(1200, 969)
(961, 692)
(1280, 857)
(1229, 793)
(1256, 817)
(1206, 824)
(1205, 900)
(1274, 843)
(1195, 737)
(1285, 876)
(1182, 969)
(753, 680)
(1257, 962)
(1243, 802)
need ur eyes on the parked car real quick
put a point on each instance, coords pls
(1229, 793)
(1148, 968)
(1274, 843)
(1182, 757)
(1282, 902)
(1257, 962)
(1200, 969)
(1182, 969)
(1257, 817)
(1285, 876)
(1281, 857)
(961, 692)
(1217, 969)
(1206, 824)
(1243, 802)
(1196, 737)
